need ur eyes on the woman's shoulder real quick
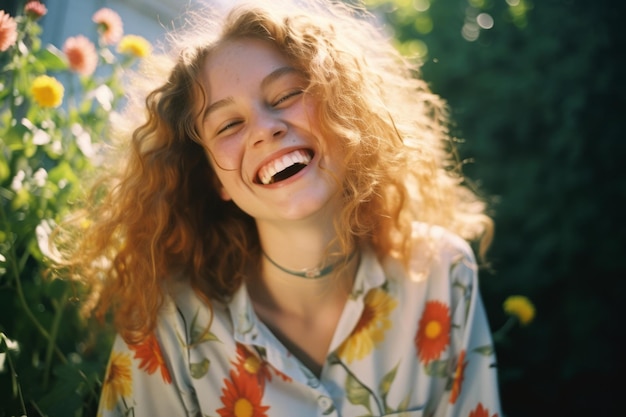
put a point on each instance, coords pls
(435, 244)
(191, 314)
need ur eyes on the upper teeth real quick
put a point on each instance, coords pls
(270, 169)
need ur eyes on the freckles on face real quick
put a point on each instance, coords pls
(260, 131)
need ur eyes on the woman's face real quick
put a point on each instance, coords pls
(260, 129)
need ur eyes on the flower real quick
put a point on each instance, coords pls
(371, 327)
(117, 382)
(35, 9)
(520, 307)
(134, 45)
(458, 377)
(149, 353)
(480, 411)
(241, 397)
(47, 91)
(252, 365)
(433, 333)
(110, 25)
(8, 31)
(81, 54)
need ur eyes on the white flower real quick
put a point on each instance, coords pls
(18, 180)
(40, 137)
(104, 96)
(11, 345)
(40, 177)
(43, 231)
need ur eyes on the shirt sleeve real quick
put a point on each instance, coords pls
(472, 389)
(143, 380)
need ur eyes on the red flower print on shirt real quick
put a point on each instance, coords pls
(149, 353)
(458, 377)
(480, 411)
(241, 397)
(256, 367)
(250, 364)
(433, 333)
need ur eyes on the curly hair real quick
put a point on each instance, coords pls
(160, 217)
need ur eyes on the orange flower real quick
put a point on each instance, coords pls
(251, 365)
(371, 327)
(149, 353)
(8, 31)
(255, 367)
(433, 333)
(241, 397)
(35, 9)
(110, 25)
(81, 54)
(481, 412)
(118, 380)
(458, 377)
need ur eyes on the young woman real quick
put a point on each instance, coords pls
(288, 233)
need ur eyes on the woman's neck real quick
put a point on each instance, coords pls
(299, 249)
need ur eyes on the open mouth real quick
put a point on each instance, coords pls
(284, 167)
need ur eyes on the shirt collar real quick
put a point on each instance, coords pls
(370, 274)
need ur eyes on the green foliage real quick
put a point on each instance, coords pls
(538, 99)
(51, 359)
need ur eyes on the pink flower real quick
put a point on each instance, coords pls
(35, 9)
(110, 25)
(8, 31)
(81, 54)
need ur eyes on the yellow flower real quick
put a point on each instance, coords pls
(47, 91)
(134, 45)
(370, 330)
(118, 380)
(520, 307)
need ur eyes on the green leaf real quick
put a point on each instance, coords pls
(199, 334)
(63, 171)
(486, 350)
(5, 171)
(404, 405)
(51, 58)
(385, 383)
(198, 370)
(437, 368)
(357, 393)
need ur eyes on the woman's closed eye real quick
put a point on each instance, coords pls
(287, 96)
(228, 125)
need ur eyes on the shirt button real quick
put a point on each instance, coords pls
(326, 404)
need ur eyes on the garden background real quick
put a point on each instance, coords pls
(537, 92)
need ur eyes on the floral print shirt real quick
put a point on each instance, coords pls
(408, 343)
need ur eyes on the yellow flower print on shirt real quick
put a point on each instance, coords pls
(370, 329)
(118, 380)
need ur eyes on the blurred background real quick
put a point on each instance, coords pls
(537, 94)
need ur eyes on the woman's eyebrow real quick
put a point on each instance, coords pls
(278, 73)
(269, 79)
(217, 105)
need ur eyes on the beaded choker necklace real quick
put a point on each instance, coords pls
(312, 273)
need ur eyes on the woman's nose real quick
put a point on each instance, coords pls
(266, 125)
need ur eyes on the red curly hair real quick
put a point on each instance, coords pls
(158, 217)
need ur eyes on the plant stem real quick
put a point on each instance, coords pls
(17, 268)
(54, 331)
(502, 331)
(16, 384)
